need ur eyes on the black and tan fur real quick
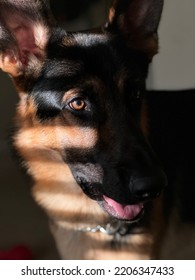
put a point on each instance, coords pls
(82, 122)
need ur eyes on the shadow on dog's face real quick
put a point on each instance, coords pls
(91, 85)
(97, 88)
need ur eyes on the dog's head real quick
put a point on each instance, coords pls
(82, 99)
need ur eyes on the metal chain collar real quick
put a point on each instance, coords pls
(112, 228)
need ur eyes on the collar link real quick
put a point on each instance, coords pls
(115, 227)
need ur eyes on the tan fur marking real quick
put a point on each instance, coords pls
(42, 146)
(111, 14)
(57, 134)
(55, 137)
(55, 188)
(9, 63)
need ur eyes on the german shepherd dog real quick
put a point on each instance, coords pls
(81, 127)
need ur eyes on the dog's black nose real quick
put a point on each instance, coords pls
(150, 187)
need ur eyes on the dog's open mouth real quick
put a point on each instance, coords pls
(119, 211)
(130, 212)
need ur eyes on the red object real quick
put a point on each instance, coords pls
(19, 252)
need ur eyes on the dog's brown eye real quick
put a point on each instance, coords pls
(77, 105)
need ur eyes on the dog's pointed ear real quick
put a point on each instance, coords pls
(25, 27)
(137, 21)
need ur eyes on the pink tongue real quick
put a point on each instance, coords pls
(127, 212)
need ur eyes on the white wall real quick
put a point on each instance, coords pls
(174, 66)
